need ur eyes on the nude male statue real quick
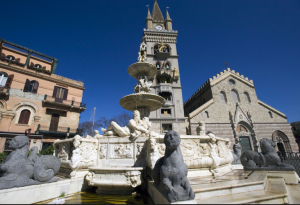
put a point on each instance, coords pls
(135, 127)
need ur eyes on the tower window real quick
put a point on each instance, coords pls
(223, 97)
(235, 96)
(166, 128)
(166, 111)
(158, 66)
(168, 66)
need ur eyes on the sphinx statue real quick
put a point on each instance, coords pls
(267, 159)
(18, 170)
(170, 172)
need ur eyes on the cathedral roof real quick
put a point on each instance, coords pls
(220, 77)
(156, 13)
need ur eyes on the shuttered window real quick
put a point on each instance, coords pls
(3, 79)
(24, 117)
(60, 93)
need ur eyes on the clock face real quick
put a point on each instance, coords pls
(159, 27)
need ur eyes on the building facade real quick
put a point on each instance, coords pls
(34, 99)
(161, 42)
(229, 106)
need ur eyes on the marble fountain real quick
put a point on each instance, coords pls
(122, 159)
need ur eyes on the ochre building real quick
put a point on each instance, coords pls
(229, 106)
(33, 99)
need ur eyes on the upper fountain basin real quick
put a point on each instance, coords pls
(147, 69)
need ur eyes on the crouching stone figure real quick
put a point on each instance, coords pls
(18, 170)
(170, 172)
(267, 159)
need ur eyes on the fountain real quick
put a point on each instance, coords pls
(123, 158)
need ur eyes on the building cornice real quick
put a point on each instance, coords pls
(57, 79)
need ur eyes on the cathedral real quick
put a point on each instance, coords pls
(227, 103)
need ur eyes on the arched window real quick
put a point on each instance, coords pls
(3, 79)
(223, 97)
(271, 115)
(158, 66)
(167, 66)
(10, 57)
(165, 50)
(235, 96)
(206, 113)
(278, 134)
(24, 117)
(247, 97)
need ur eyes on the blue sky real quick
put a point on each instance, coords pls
(96, 41)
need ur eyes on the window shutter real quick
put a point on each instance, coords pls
(65, 94)
(54, 91)
(9, 80)
(24, 117)
(27, 84)
(35, 87)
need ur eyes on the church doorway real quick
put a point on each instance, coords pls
(245, 143)
(245, 136)
(280, 137)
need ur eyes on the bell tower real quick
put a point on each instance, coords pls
(161, 51)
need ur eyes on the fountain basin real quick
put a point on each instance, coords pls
(115, 180)
(140, 100)
(142, 68)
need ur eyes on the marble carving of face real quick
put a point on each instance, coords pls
(172, 139)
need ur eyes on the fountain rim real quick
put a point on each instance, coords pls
(133, 71)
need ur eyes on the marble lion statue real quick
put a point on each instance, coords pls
(268, 159)
(170, 172)
(18, 170)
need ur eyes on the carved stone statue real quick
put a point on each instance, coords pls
(143, 85)
(268, 159)
(201, 129)
(162, 47)
(18, 170)
(213, 151)
(136, 127)
(142, 53)
(170, 172)
(237, 152)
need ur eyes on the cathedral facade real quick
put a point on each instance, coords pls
(230, 108)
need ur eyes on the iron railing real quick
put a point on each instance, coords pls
(291, 158)
(68, 102)
(56, 129)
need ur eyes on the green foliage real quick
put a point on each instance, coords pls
(3, 155)
(48, 151)
(62, 195)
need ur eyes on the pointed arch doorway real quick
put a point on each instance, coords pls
(245, 134)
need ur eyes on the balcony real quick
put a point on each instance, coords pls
(57, 131)
(4, 90)
(164, 87)
(64, 103)
(162, 55)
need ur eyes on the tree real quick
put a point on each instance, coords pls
(48, 151)
(123, 119)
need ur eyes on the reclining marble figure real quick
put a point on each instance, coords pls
(170, 172)
(268, 159)
(136, 127)
(18, 170)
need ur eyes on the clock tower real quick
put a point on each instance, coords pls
(161, 51)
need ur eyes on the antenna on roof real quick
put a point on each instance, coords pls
(226, 64)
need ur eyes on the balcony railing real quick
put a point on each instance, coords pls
(56, 129)
(165, 87)
(67, 102)
(4, 90)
